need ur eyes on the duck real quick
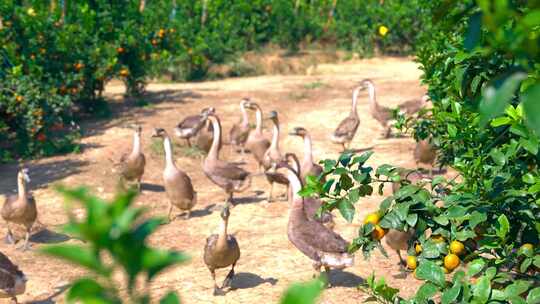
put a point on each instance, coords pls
(425, 153)
(345, 131)
(177, 183)
(222, 250)
(20, 209)
(311, 204)
(191, 125)
(239, 132)
(272, 157)
(323, 246)
(132, 164)
(12, 279)
(308, 167)
(228, 176)
(256, 142)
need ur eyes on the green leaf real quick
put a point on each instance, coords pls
(498, 157)
(531, 144)
(452, 130)
(475, 267)
(494, 100)
(531, 107)
(362, 158)
(482, 289)
(500, 121)
(431, 272)
(529, 179)
(534, 296)
(156, 260)
(412, 219)
(170, 298)
(87, 290)
(474, 30)
(346, 209)
(517, 288)
(430, 250)
(77, 255)
(306, 293)
(503, 226)
(426, 292)
(450, 295)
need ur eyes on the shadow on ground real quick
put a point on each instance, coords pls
(341, 278)
(245, 280)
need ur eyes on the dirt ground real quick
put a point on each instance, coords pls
(269, 262)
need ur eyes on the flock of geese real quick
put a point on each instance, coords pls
(311, 234)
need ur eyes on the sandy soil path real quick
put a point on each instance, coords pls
(269, 263)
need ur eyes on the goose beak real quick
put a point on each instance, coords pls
(25, 175)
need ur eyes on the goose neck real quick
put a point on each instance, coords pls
(245, 120)
(275, 136)
(168, 152)
(373, 105)
(21, 185)
(136, 144)
(222, 234)
(214, 149)
(308, 149)
(258, 116)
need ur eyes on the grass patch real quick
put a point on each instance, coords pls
(314, 85)
(297, 96)
(180, 150)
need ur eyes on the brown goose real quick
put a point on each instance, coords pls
(272, 157)
(221, 250)
(12, 280)
(240, 131)
(395, 239)
(325, 247)
(425, 153)
(191, 125)
(311, 204)
(226, 175)
(414, 105)
(177, 183)
(132, 164)
(20, 209)
(346, 129)
(205, 137)
(256, 142)
(308, 166)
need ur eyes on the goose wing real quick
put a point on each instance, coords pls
(318, 236)
(411, 106)
(230, 171)
(8, 273)
(190, 121)
(347, 126)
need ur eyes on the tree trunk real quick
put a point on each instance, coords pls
(142, 4)
(204, 12)
(52, 6)
(330, 15)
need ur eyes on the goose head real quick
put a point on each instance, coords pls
(159, 132)
(244, 101)
(251, 105)
(273, 116)
(23, 175)
(298, 131)
(208, 111)
(366, 83)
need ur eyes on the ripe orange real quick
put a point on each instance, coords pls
(120, 50)
(457, 247)
(19, 98)
(451, 261)
(74, 91)
(418, 248)
(372, 218)
(378, 233)
(154, 42)
(78, 66)
(124, 72)
(41, 137)
(411, 262)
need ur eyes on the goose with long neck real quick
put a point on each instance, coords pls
(177, 183)
(132, 164)
(308, 166)
(272, 157)
(425, 153)
(191, 125)
(381, 113)
(229, 177)
(347, 128)
(205, 137)
(12, 279)
(256, 143)
(20, 209)
(240, 131)
(322, 245)
(221, 250)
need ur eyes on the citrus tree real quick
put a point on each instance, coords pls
(475, 236)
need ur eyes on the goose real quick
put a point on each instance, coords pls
(20, 209)
(191, 125)
(308, 167)
(273, 156)
(395, 239)
(177, 183)
(311, 204)
(12, 279)
(425, 153)
(240, 131)
(132, 164)
(384, 114)
(256, 143)
(205, 137)
(229, 177)
(346, 129)
(221, 250)
(322, 245)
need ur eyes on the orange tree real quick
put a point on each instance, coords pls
(480, 62)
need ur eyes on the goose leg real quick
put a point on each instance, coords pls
(401, 260)
(25, 246)
(9, 236)
(14, 300)
(271, 192)
(217, 291)
(317, 267)
(188, 215)
(169, 213)
(242, 153)
(139, 184)
(228, 280)
(327, 276)
(188, 142)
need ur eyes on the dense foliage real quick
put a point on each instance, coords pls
(480, 62)
(57, 56)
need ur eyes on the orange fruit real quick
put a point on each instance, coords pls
(124, 72)
(418, 248)
(74, 90)
(41, 137)
(19, 98)
(437, 238)
(411, 262)
(378, 233)
(457, 247)
(372, 218)
(154, 42)
(451, 261)
(120, 50)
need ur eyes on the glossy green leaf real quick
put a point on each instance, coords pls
(170, 298)
(426, 292)
(494, 100)
(498, 157)
(450, 295)
(155, 260)
(474, 267)
(503, 226)
(482, 289)
(87, 290)
(306, 293)
(429, 271)
(534, 296)
(77, 255)
(346, 209)
(531, 107)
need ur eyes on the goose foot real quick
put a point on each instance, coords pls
(14, 300)
(25, 247)
(187, 215)
(218, 291)
(9, 238)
